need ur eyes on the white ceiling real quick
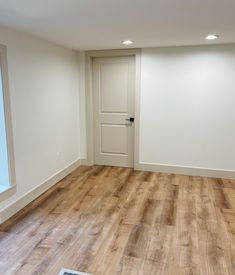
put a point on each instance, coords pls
(103, 24)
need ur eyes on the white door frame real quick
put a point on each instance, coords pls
(89, 98)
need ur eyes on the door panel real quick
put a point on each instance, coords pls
(116, 76)
(110, 144)
(113, 88)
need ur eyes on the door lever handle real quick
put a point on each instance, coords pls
(131, 119)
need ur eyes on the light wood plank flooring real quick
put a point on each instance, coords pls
(106, 220)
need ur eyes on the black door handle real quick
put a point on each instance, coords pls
(131, 119)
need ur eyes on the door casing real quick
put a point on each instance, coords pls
(89, 99)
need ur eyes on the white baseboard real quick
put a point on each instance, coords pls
(86, 162)
(21, 202)
(186, 170)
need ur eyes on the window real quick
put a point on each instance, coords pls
(4, 169)
(6, 146)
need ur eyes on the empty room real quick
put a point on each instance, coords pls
(117, 137)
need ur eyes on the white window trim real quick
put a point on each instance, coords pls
(8, 122)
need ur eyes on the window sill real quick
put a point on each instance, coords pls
(6, 191)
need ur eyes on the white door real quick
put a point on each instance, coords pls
(113, 88)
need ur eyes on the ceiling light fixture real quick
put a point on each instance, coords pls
(212, 37)
(127, 42)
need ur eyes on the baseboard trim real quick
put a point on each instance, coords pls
(186, 170)
(21, 202)
(86, 162)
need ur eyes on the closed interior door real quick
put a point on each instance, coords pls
(113, 88)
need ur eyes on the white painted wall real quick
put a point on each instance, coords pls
(188, 106)
(44, 92)
(4, 176)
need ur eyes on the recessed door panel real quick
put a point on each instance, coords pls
(114, 87)
(110, 144)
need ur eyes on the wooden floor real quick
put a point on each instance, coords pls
(106, 220)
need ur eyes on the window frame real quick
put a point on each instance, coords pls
(8, 123)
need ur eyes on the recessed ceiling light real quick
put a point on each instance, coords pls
(212, 36)
(127, 42)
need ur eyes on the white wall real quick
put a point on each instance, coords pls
(188, 107)
(4, 176)
(44, 92)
